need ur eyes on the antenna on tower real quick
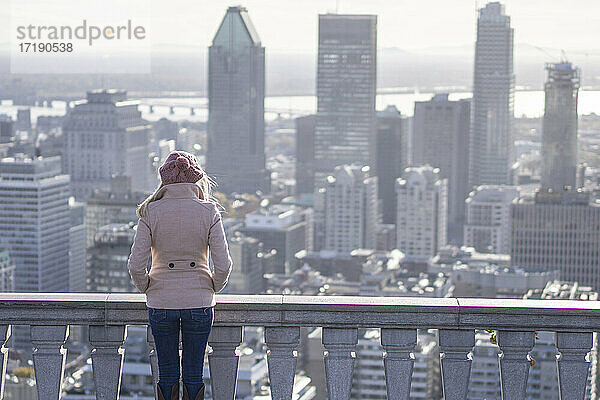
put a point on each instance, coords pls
(337, 6)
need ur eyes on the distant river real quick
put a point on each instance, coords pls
(528, 103)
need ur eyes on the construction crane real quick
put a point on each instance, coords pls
(563, 53)
(543, 50)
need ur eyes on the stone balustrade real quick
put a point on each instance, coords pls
(516, 321)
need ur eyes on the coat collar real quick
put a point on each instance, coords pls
(179, 191)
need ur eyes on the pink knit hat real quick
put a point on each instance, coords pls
(180, 167)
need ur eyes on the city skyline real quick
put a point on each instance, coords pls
(356, 259)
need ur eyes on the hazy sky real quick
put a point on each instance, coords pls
(291, 25)
(407, 24)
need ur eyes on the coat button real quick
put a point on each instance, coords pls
(192, 264)
(171, 265)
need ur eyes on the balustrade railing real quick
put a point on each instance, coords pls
(516, 321)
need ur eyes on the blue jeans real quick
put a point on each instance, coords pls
(195, 325)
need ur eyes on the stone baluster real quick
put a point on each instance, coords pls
(282, 343)
(572, 365)
(107, 359)
(398, 361)
(339, 344)
(455, 346)
(4, 336)
(223, 360)
(514, 365)
(49, 357)
(153, 359)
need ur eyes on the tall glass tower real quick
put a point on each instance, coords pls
(559, 133)
(236, 94)
(345, 131)
(490, 144)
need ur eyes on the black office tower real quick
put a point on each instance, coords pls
(345, 131)
(392, 158)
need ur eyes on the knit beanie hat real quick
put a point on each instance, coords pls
(180, 167)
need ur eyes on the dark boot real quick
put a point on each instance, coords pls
(174, 393)
(186, 395)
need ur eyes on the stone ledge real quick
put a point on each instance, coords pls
(325, 311)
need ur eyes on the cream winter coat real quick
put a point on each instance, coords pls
(179, 230)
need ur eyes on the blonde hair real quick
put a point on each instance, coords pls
(206, 185)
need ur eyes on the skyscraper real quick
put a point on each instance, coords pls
(105, 135)
(346, 84)
(35, 222)
(422, 213)
(34, 225)
(305, 154)
(441, 139)
(560, 227)
(559, 132)
(490, 144)
(236, 93)
(392, 158)
(558, 231)
(350, 209)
